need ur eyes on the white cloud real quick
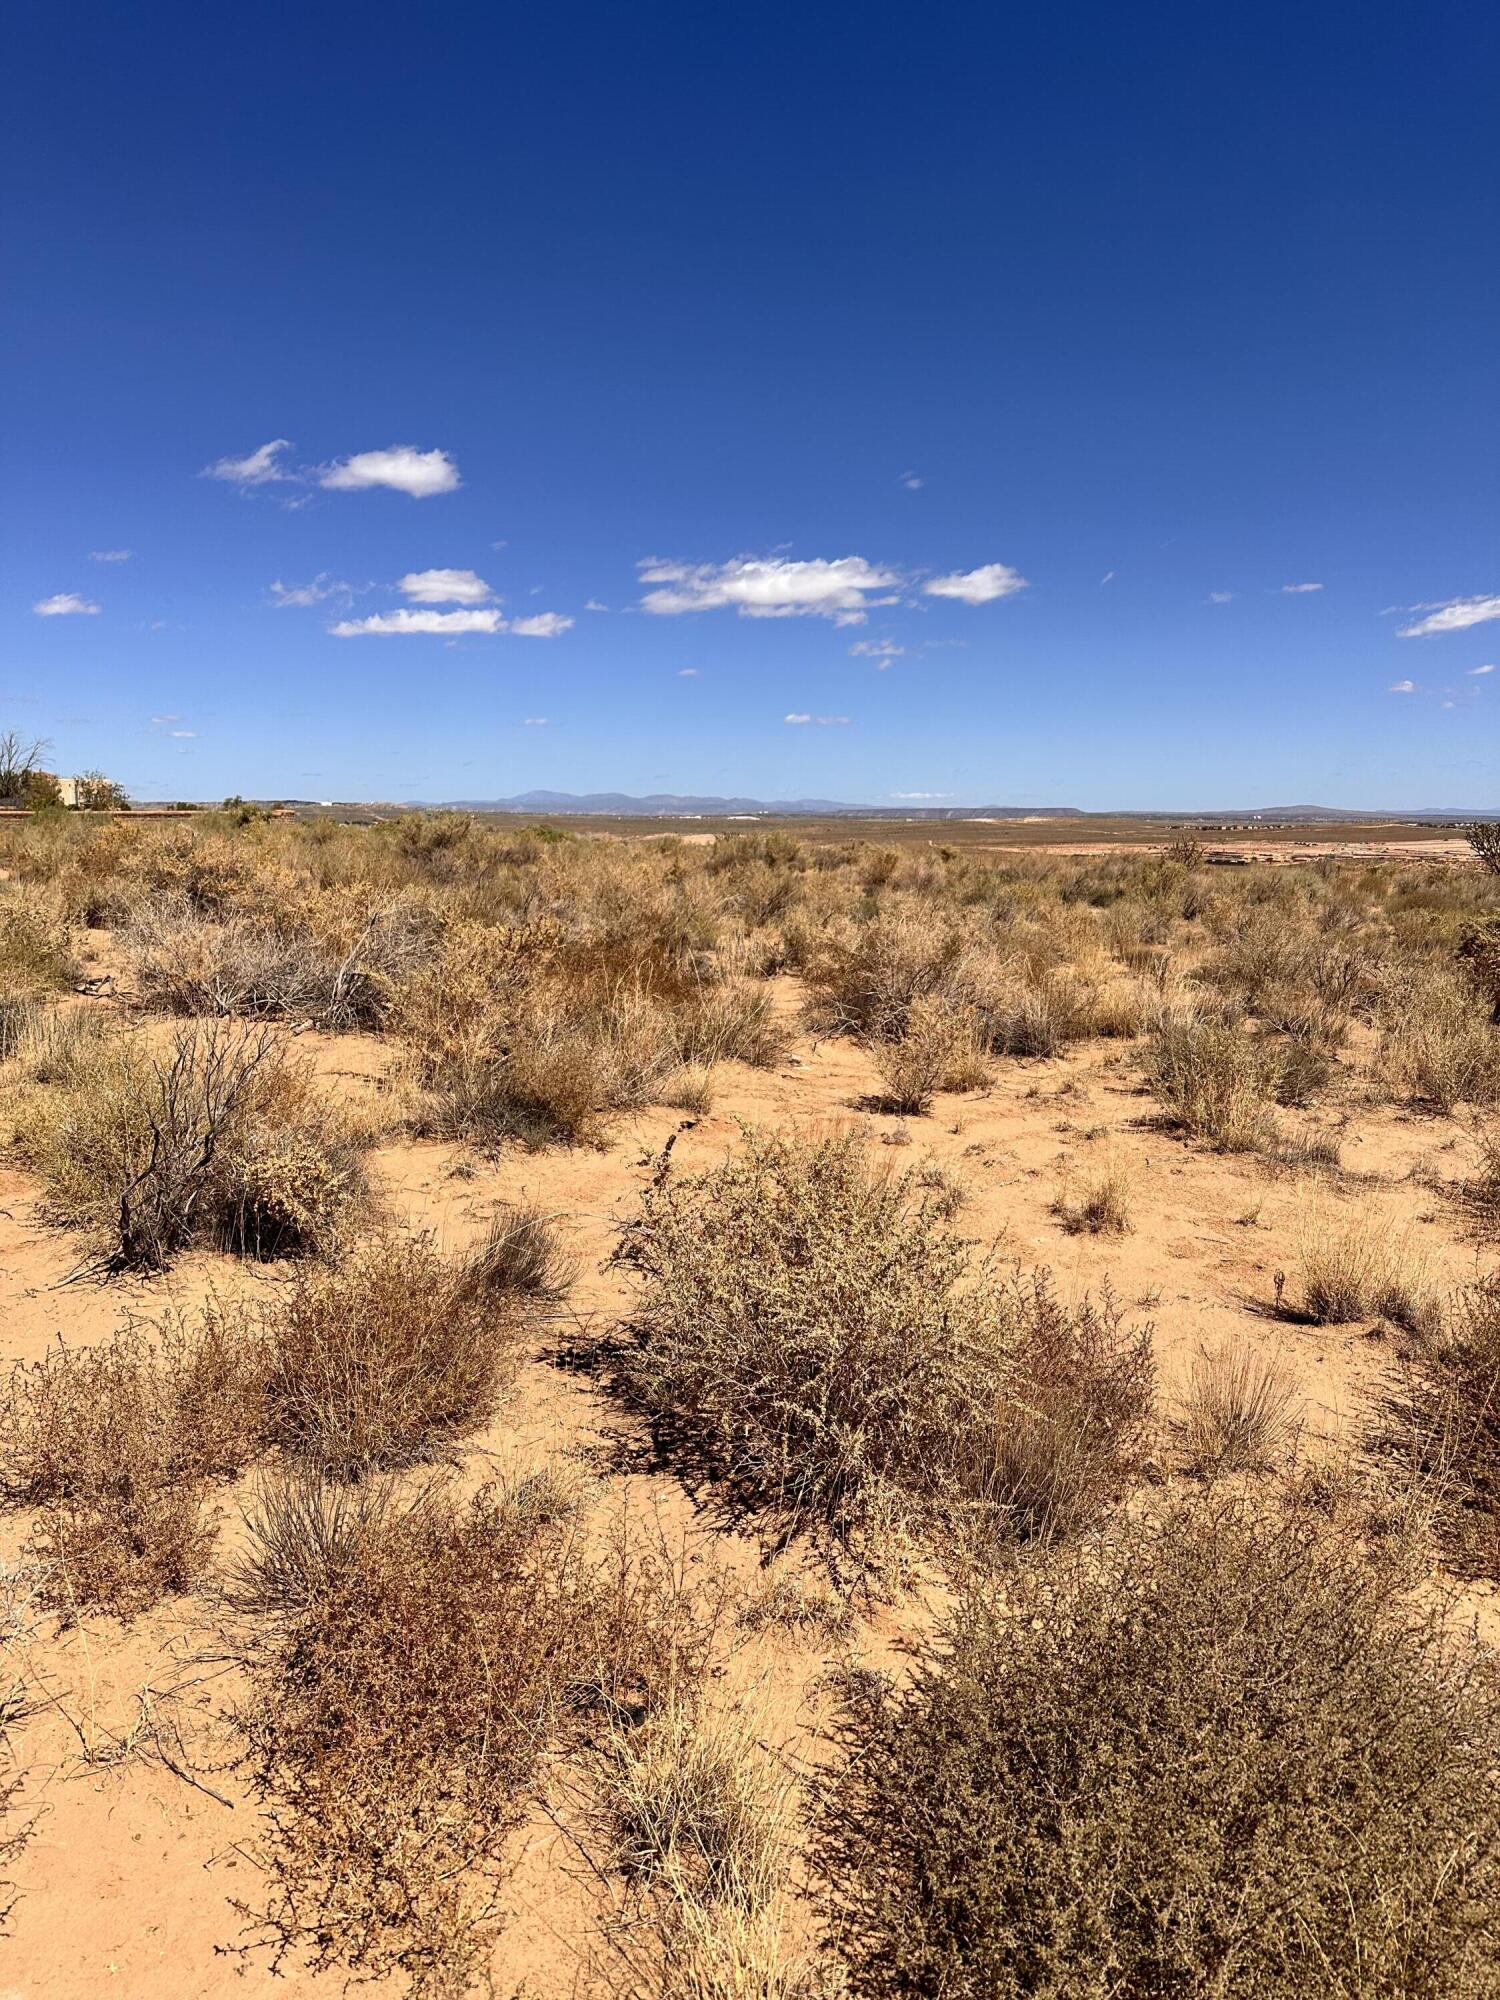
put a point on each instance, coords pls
(545, 625)
(66, 604)
(833, 721)
(445, 586)
(977, 586)
(160, 721)
(395, 624)
(796, 718)
(1403, 687)
(593, 604)
(768, 587)
(1446, 704)
(1220, 596)
(1108, 577)
(1482, 670)
(913, 482)
(881, 651)
(257, 468)
(401, 466)
(110, 555)
(323, 585)
(1457, 615)
(691, 673)
(182, 732)
(921, 795)
(1299, 589)
(534, 722)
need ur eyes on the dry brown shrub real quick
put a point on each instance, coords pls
(939, 1049)
(410, 1665)
(807, 1334)
(1216, 1753)
(36, 947)
(1437, 1047)
(114, 1445)
(1100, 1204)
(1367, 1266)
(1439, 1428)
(387, 1356)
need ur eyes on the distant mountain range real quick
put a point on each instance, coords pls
(675, 805)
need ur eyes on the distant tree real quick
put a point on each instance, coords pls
(20, 760)
(1484, 837)
(96, 793)
(39, 790)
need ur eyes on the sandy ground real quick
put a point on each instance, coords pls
(128, 1884)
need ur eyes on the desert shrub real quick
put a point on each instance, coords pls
(1238, 1411)
(1437, 1048)
(330, 964)
(1439, 1427)
(1210, 1080)
(1214, 1754)
(803, 1334)
(220, 1139)
(864, 977)
(387, 1355)
(939, 1049)
(114, 1444)
(409, 1666)
(1368, 1266)
(36, 950)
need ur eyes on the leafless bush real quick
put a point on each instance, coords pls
(1238, 1412)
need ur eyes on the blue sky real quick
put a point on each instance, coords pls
(986, 387)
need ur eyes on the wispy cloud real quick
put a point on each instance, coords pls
(1220, 596)
(445, 586)
(1403, 687)
(161, 721)
(1482, 670)
(921, 795)
(1108, 577)
(913, 481)
(796, 718)
(545, 625)
(65, 604)
(593, 604)
(692, 673)
(110, 555)
(402, 467)
(822, 721)
(534, 722)
(881, 651)
(406, 623)
(182, 732)
(289, 596)
(768, 587)
(1456, 615)
(977, 586)
(261, 467)
(1299, 589)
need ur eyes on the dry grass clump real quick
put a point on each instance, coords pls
(385, 1357)
(114, 1445)
(808, 1334)
(410, 1665)
(939, 1049)
(36, 947)
(1239, 1412)
(1440, 1429)
(695, 1815)
(1210, 1079)
(1100, 1205)
(1437, 1046)
(218, 1139)
(1217, 1753)
(1367, 1267)
(328, 964)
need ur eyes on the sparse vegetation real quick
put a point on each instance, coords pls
(1238, 1411)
